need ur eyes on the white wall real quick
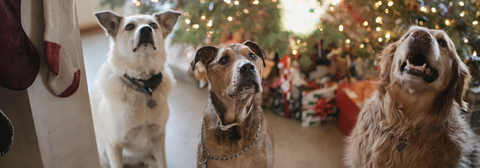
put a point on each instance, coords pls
(85, 10)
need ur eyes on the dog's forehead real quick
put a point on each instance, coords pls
(234, 49)
(137, 19)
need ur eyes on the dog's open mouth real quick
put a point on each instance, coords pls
(417, 65)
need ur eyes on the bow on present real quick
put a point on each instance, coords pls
(323, 107)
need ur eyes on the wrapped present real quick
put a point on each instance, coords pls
(350, 99)
(295, 104)
(318, 106)
(311, 97)
(311, 118)
(278, 106)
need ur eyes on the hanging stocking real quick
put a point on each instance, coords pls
(6, 134)
(19, 62)
(61, 52)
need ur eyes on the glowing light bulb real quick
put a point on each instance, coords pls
(138, 3)
(340, 27)
(461, 3)
(236, 2)
(298, 41)
(386, 10)
(255, 2)
(227, 1)
(387, 36)
(294, 52)
(462, 14)
(390, 3)
(367, 40)
(155, 1)
(475, 22)
(434, 9)
(437, 27)
(202, 17)
(187, 21)
(195, 26)
(134, 1)
(447, 22)
(378, 29)
(423, 9)
(378, 19)
(245, 11)
(365, 23)
(465, 40)
(347, 41)
(361, 46)
(209, 24)
(380, 39)
(230, 18)
(474, 53)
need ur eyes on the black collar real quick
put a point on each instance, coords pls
(149, 85)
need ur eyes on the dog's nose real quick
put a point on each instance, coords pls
(247, 68)
(146, 30)
(422, 36)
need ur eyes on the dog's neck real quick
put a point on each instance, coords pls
(139, 67)
(412, 101)
(231, 110)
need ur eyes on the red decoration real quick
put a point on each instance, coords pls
(19, 60)
(323, 107)
(52, 53)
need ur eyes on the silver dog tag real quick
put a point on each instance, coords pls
(151, 103)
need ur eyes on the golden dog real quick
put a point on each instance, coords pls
(416, 118)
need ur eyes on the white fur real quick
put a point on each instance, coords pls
(127, 131)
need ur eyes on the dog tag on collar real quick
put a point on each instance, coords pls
(401, 147)
(151, 103)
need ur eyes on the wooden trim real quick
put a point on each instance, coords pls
(85, 30)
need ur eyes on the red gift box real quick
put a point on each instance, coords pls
(350, 98)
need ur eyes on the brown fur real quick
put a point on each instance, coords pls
(430, 116)
(231, 98)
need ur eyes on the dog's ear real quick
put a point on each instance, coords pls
(386, 55)
(167, 20)
(461, 78)
(205, 55)
(257, 50)
(109, 22)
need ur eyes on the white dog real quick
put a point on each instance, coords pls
(129, 101)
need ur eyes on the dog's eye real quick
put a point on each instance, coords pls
(129, 26)
(252, 56)
(154, 25)
(224, 60)
(442, 42)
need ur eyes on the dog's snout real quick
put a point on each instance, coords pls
(247, 68)
(146, 30)
(422, 36)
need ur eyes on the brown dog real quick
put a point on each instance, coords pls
(234, 132)
(416, 118)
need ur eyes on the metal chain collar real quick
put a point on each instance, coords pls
(207, 155)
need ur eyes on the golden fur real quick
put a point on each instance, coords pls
(426, 116)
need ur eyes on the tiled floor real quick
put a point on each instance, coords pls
(295, 147)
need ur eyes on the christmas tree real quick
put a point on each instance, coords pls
(360, 28)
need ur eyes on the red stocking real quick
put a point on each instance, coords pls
(19, 62)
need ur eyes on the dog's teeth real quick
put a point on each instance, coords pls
(408, 62)
(424, 65)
